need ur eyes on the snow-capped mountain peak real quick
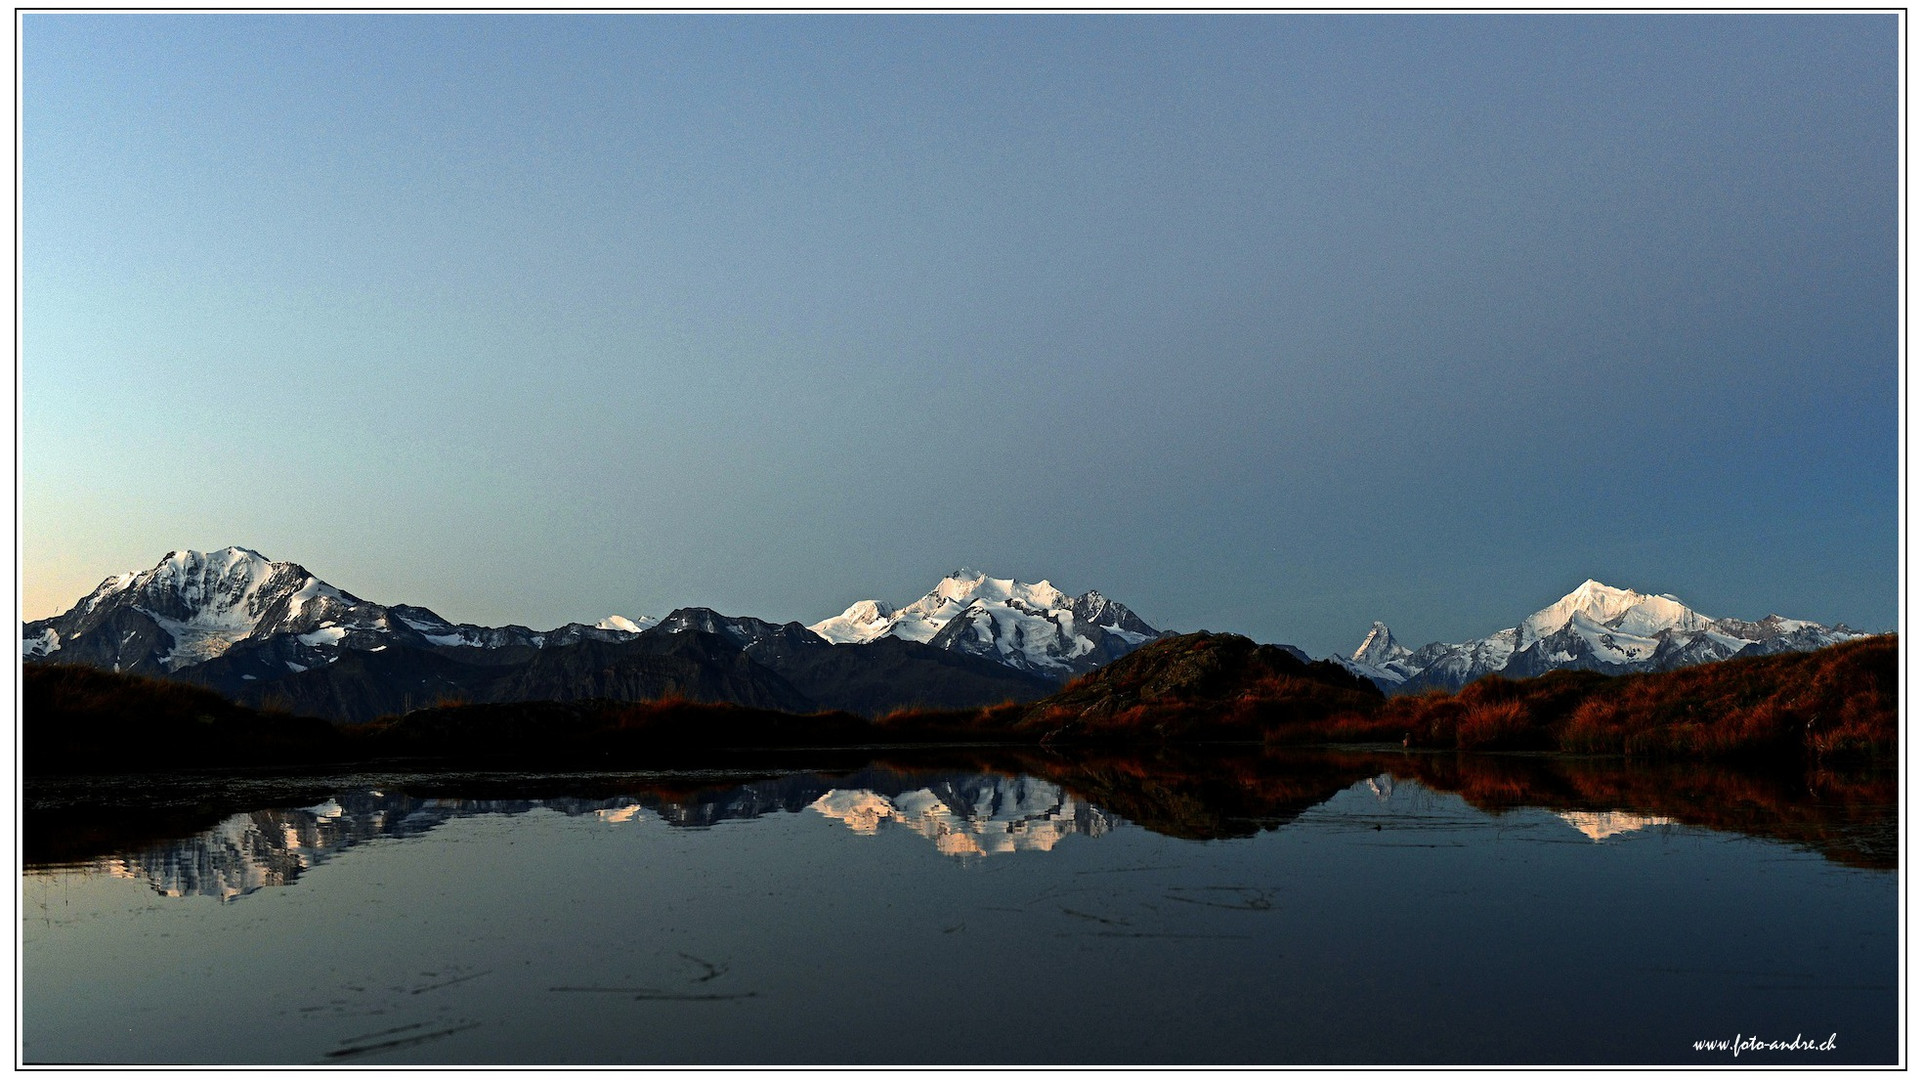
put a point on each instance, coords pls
(1592, 598)
(865, 620)
(1380, 657)
(963, 586)
(1653, 614)
(1596, 626)
(923, 619)
(193, 607)
(1625, 610)
(205, 602)
(626, 625)
(1033, 627)
(1379, 647)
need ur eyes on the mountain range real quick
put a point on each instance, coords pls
(269, 633)
(1595, 628)
(264, 632)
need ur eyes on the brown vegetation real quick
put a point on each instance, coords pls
(1834, 703)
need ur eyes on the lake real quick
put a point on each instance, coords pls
(973, 908)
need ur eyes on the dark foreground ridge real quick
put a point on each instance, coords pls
(1836, 703)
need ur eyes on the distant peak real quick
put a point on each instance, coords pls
(863, 620)
(1624, 610)
(1378, 647)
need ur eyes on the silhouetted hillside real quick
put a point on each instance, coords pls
(82, 719)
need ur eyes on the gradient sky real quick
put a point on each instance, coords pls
(1274, 324)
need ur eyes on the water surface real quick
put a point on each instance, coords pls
(1313, 909)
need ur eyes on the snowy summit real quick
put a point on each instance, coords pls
(266, 618)
(1032, 627)
(1596, 627)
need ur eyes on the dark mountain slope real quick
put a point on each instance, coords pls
(890, 673)
(694, 665)
(360, 686)
(1200, 686)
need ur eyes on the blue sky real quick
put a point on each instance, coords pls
(1274, 324)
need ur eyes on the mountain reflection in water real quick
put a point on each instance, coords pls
(975, 814)
(986, 806)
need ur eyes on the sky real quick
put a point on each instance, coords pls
(1275, 324)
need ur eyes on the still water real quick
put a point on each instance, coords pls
(1335, 909)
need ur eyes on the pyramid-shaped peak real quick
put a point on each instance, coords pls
(1378, 647)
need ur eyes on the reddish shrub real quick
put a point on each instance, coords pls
(1493, 725)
